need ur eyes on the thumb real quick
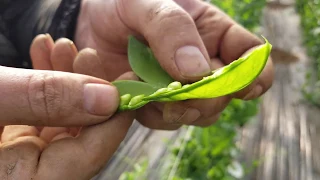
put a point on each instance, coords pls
(171, 33)
(52, 98)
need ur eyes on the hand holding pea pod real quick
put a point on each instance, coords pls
(159, 86)
(188, 38)
(184, 36)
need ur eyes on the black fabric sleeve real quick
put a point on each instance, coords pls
(22, 20)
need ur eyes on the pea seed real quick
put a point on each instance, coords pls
(125, 99)
(135, 100)
(174, 85)
(160, 91)
(185, 86)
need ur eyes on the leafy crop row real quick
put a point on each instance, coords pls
(309, 11)
(245, 12)
(210, 152)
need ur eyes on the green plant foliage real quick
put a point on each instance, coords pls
(138, 172)
(226, 80)
(245, 12)
(309, 11)
(145, 65)
(210, 151)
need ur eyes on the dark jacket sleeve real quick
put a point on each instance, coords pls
(22, 20)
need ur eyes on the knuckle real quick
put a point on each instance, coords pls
(44, 95)
(16, 153)
(162, 13)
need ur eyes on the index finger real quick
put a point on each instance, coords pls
(226, 40)
(222, 36)
(172, 35)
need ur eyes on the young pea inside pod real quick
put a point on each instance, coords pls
(125, 99)
(130, 90)
(226, 80)
(174, 85)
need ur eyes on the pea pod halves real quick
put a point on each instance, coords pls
(226, 80)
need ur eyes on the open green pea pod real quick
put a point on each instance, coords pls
(159, 86)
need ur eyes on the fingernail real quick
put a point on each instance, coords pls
(73, 47)
(191, 62)
(180, 115)
(48, 42)
(100, 99)
(254, 93)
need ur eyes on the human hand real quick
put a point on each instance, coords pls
(188, 37)
(65, 102)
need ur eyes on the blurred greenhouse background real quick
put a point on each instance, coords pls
(273, 138)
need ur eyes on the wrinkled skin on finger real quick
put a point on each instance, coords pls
(188, 37)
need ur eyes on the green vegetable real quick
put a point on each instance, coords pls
(159, 86)
(145, 65)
